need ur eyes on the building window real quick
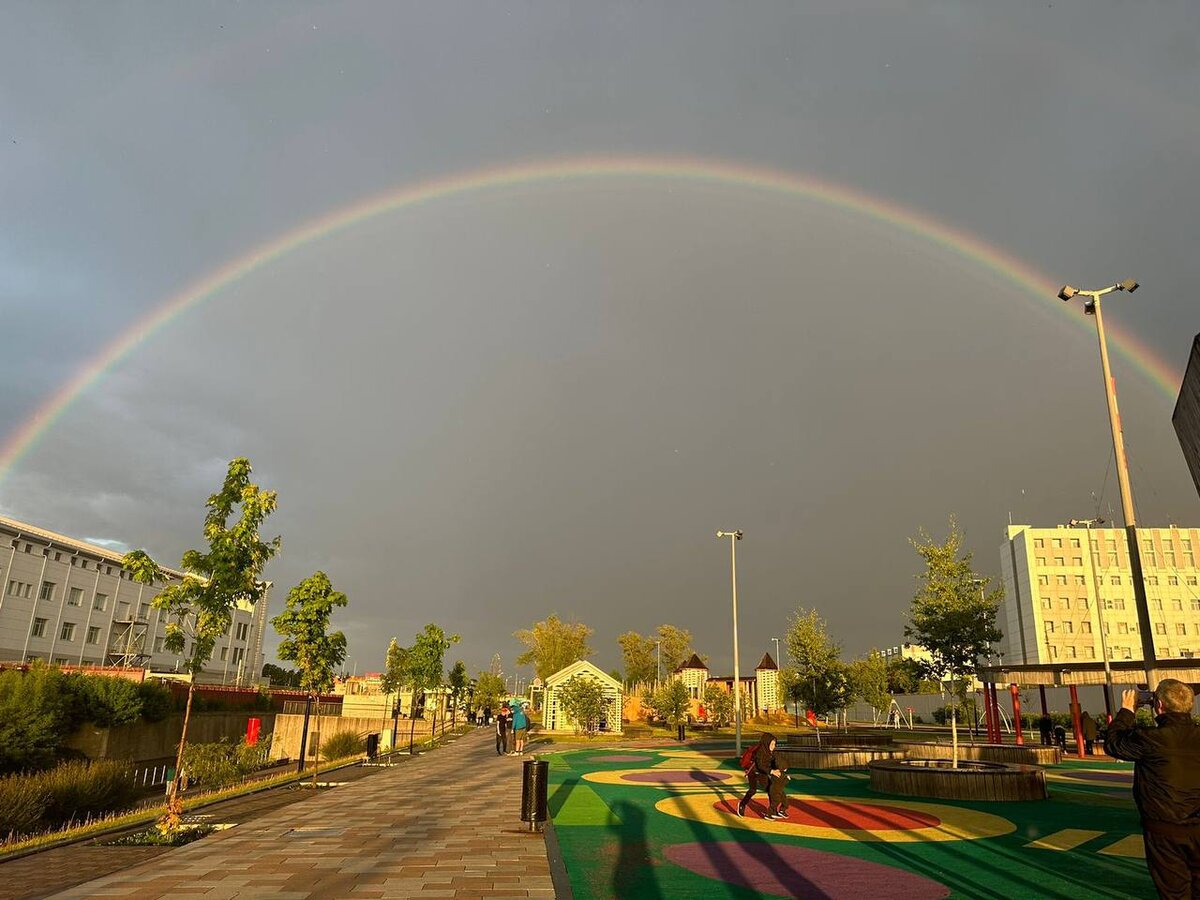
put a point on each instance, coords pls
(1089, 653)
(1123, 628)
(1079, 579)
(67, 632)
(1064, 602)
(39, 628)
(1083, 603)
(100, 602)
(1070, 653)
(238, 653)
(1039, 543)
(1077, 561)
(1180, 628)
(47, 591)
(1172, 580)
(93, 635)
(1177, 605)
(1085, 627)
(75, 597)
(158, 644)
(1053, 652)
(1156, 604)
(224, 654)
(243, 630)
(1058, 560)
(1160, 628)
(1061, 579)
(1049, 628)
(1119, 603)
(1152, 580)
(1040, 560)
(1068, 627)
(1148, 545)
(1043, 579)
(1046, 603)
(1075, 543)
(1057, 543)
(1191, 580)
(144, 611)
(1169, 557)
(1196, 606)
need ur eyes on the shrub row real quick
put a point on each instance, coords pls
(71, 792)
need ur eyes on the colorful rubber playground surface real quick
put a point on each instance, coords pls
(662, 823)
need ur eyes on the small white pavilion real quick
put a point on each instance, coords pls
(554, 718)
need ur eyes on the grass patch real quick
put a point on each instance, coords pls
(155, 838)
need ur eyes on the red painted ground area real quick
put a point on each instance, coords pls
(844, 814)
(787, 871)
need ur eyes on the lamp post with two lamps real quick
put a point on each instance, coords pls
(734, 537)
(1091, 307)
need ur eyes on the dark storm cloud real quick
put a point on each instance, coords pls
(486, 410)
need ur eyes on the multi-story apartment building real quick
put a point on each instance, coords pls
(1063, 585)
(71, 603)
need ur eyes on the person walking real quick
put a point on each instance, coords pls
(520, 724)
(1045, 727)
(765, 770)
(1060, 737)
(1089, 728)
(503, 720)
(1166, 784)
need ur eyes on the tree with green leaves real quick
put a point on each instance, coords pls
(489, 691)
(718, 703)
(953, 614)
(395, 673)
(281, 677)
(869, 680)
(458, 683)
(582, 700)
(307, 641)
(638, 657)
(671, 701)
(552, 645)
(676, 646)
(200, 606)
(817, 662)
(426, 668)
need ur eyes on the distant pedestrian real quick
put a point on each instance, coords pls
(1046, 726)
(1090, 730)
(503, 720)
(487, 716)
(1060, 737)
(520, 724)
(764, 771)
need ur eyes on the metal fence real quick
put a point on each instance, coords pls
(296, 708)
(151, 776)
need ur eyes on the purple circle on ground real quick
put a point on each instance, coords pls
(619, 758)
(677, 776)
(782, 870)
(1115, 777)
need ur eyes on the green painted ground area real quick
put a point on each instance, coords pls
(617, 843)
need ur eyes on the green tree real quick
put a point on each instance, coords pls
(676, 647)
(817, 661)
(489, 691)
(307, 641)
(953, 614)
(903, 676)
(109, 702)
(281, 677)
(718, 703)
(426, 668)
(869, 680)
(582, 699)
(638, 657)
(458, 683)
(38, 711)
(552, 645)
(671, 701)
(791, 687)
(395, 673)
(201, 605)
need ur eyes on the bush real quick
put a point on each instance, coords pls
(108, 702)
(71, 792)
(341, 745)
(157, 702)
(38, 710)
(224, 762)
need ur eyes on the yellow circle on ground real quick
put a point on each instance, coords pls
(706, 779)
(955, 823)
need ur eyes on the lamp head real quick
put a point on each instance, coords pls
(1128, 285)
(1089, 307)
(1067, 293)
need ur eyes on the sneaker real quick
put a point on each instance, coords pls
(741, 809)
(782, 814)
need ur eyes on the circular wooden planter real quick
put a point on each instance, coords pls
(1028, 754)
(833, 757)
(839, 739)
(972, 780)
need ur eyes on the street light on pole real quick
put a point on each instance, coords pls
(734, 537)
(777, 660)
(658, 665)
(1091, 307)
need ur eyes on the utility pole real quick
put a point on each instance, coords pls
(734, 537)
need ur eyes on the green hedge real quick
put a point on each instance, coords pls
(71, 792)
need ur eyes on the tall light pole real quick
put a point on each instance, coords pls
(734, 537)
(1089, 524)
(1091, 307)
(777, 659)
(658, 665)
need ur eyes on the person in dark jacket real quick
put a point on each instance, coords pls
(503, 721)
(1046, 727)
(1166, 784)
(766, 770)
(1089, 728)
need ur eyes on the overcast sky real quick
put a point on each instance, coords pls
(501, 405)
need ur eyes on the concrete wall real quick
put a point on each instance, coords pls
(158, 741)
(288, 728)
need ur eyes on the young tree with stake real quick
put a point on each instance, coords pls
(395, 673)
(200, 607)
(304, 627)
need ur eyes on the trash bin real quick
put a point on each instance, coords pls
(372, 745)
(534, 778)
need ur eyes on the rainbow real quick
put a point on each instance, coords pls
(685, 170)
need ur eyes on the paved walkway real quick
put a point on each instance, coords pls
(444, 825)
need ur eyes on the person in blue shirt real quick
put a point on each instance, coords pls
(520, 728)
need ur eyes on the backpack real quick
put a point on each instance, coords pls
(748, 757)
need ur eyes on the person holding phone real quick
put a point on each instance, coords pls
(1166, 782)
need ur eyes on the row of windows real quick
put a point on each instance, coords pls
(79, 561)
(67, 633)
(1185, 544)
(1119, 603)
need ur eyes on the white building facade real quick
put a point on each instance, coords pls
(68, 602)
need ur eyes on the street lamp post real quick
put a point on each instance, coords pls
(734, 537)
(658, 665)
(1091, 307)
(1089, 524)
(777, 660)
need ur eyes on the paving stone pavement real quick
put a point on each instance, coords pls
(444, 825)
